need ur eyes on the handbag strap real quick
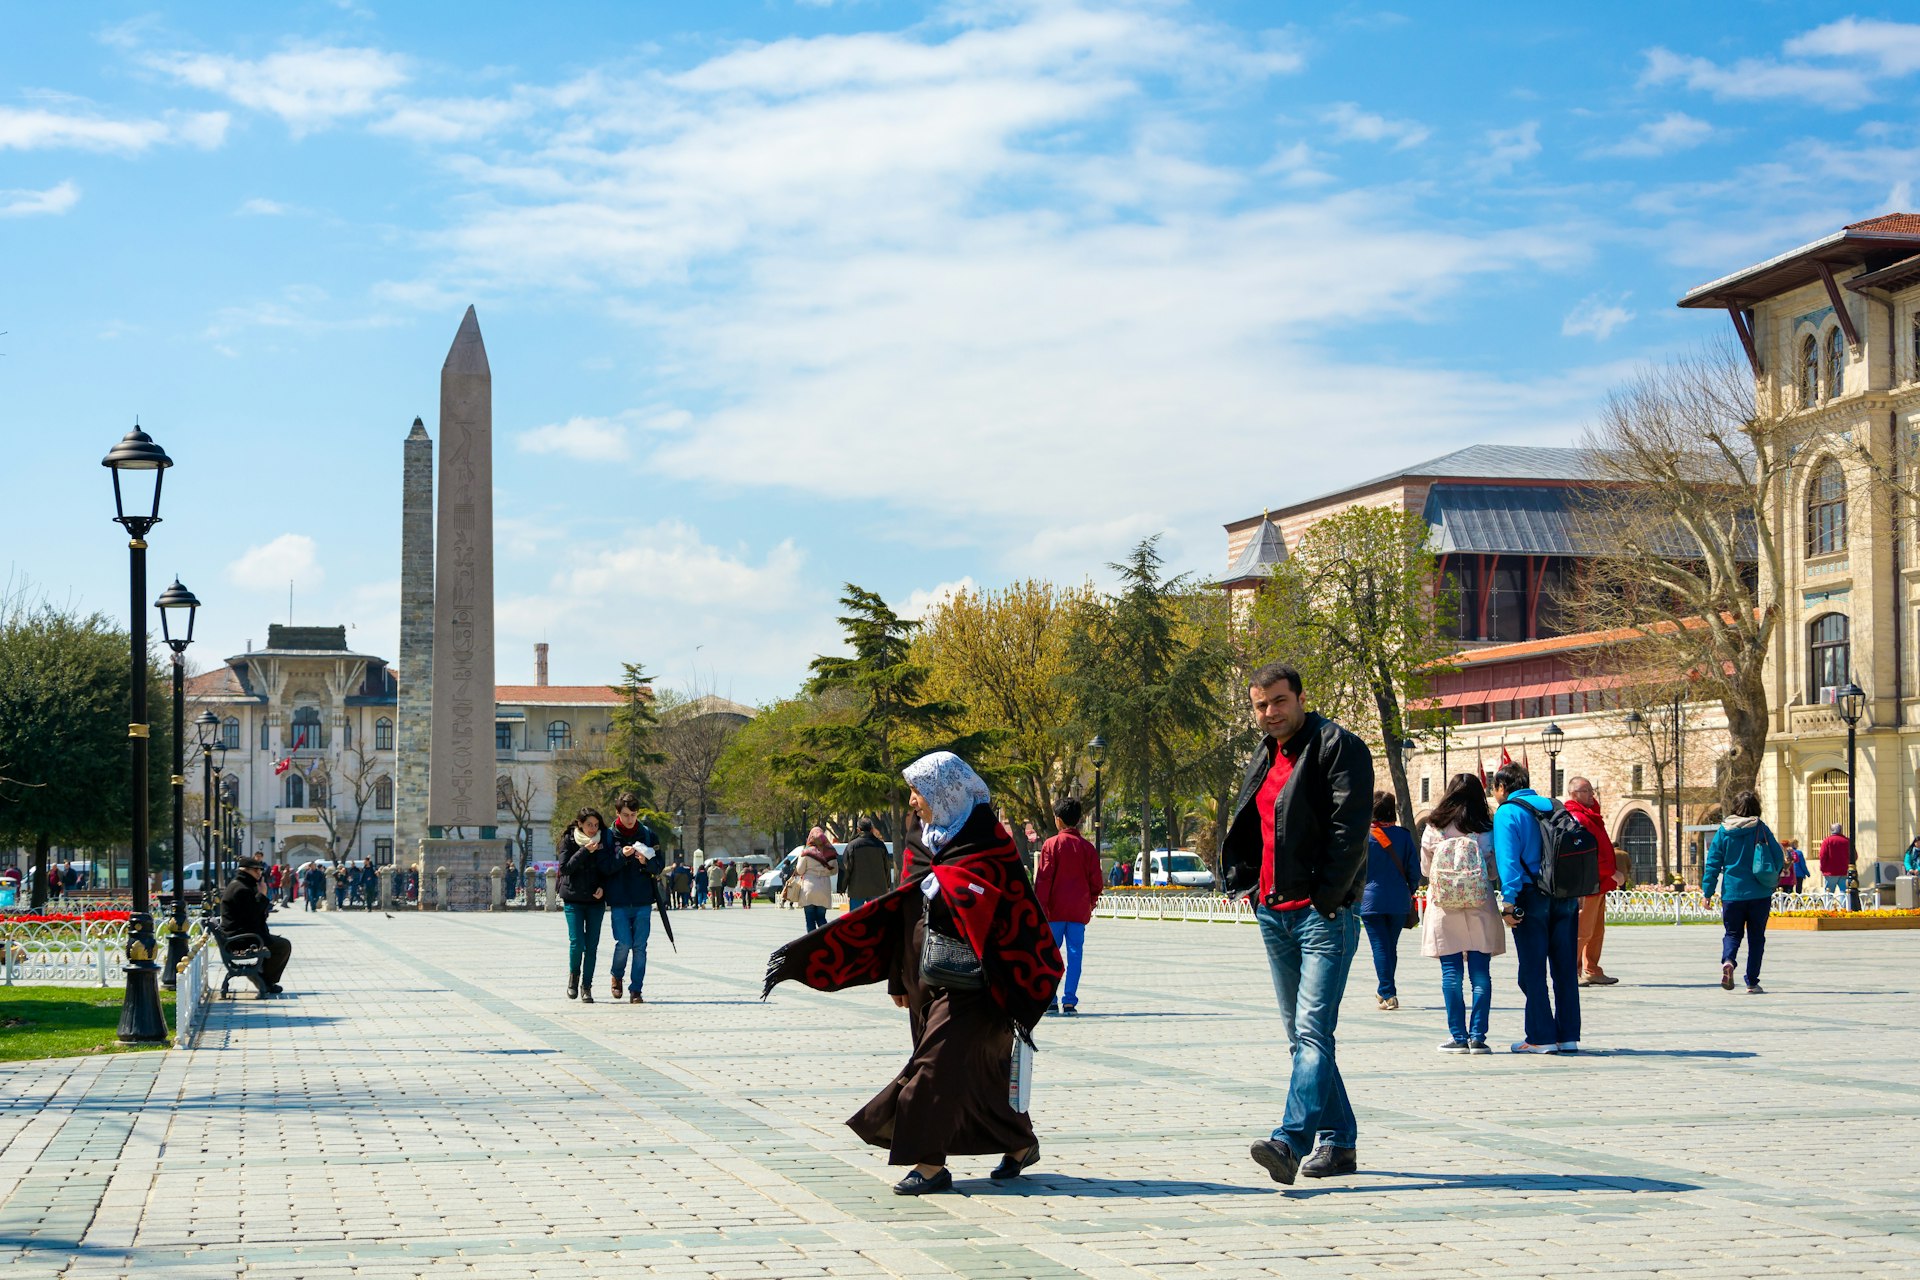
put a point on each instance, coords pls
(1387, 844)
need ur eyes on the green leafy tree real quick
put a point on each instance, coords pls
(853, 761)
(746, 778)
(1147, 679)
(1357, 609)
(586, 777)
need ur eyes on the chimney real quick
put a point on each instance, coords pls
(540, 664)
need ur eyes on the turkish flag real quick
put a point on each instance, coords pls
(281, 766)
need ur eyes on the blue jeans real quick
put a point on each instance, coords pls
(1749, 918)
(583, 935)
(1477, 968)
(1383, 933)
(1072, 941)
(1548, 939)
(816, 917)
(854, 904)
(632, 926)
(1833, 884)
(1309, 956)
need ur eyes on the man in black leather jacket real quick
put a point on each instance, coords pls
(1298, 847)
(243, 909)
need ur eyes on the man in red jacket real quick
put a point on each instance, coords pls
(1584, 804)
(1067, 882)
(1836, 859)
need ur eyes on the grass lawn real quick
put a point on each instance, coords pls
(64, 1022)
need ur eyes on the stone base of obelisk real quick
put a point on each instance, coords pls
(467, 864)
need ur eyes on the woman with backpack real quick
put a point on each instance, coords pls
(1462, 928)
(1744, 863)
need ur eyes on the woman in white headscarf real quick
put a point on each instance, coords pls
(965, 950)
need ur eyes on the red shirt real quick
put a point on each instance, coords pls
(1276, 781)
(1067, 881)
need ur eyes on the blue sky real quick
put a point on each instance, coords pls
(781, 295)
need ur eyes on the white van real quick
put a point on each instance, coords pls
(1181, 867)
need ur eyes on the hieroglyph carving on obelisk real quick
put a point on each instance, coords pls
(461, 778)
(416, 644)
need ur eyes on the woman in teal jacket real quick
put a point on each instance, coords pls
(1744, 862)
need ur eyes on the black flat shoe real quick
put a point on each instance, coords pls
(915, 1185)
(1011, 1168)
(573, 987)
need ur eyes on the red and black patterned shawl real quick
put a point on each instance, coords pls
(1002, 921)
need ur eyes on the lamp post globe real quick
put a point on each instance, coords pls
(178, 602)
(135, 463)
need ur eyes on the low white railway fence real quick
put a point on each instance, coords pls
(1624, 906)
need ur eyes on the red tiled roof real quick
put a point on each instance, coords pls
(1892, 224)
(544, 694)
(219, 683)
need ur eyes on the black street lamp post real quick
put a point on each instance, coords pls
(205, 726)
(176, 600)
(1851, 699)
(1097, 752)
(223, 842)
(142, 1021)
(1552, 738)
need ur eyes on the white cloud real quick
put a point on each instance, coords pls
(308, 88)
(21, 203)
(922, 601)
(38, 129)
(260, 206)
(1509, 147)
(1351, 124)
(670, 564)
(271, 565)
(1892, 47)
(585, 439)
(1597, 317)
(1675, 131)
(1837, 66)
(448, 120)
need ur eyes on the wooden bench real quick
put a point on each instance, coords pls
(245, 956)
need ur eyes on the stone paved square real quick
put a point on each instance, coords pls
(425, 1102)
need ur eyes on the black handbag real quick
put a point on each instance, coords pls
(949, 962)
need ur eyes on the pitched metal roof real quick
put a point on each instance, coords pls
(1500, 519)
(1494, 462)
(1265, 549)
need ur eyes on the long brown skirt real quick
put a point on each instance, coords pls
(951, 1097)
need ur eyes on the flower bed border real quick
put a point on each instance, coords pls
(1830, 924)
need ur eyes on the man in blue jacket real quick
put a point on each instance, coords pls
(1546, 931)
(627, 869)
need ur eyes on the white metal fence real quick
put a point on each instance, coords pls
(190, 996)
(90, 954)
(1624, 906)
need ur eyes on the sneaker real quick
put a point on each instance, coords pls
(1753, 989)
(916, 1185)
(1069, 1010)
(1329, 1161)
(1602, 980)
(1521, 1046)
(1478, 1046)
(1454, 1046)
(1726, 975)
(616, 987)
(1568, 1046)
(1277, 1159)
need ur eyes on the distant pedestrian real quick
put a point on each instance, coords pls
(314, 881)
(1910, 860)
(732, 881)
(1583, 802)
(866, 868)
(749, 881)
(1297, 846)
(413, 883)
(814, 869)
(582, 898)
(1386, 903)
(1793, 868)
(1836, 859)
(1546, 930)
(1461, 927)
(1068, 884)
(1743, 863)
(510, 880)
(681, 878)
(340, 887)
(701, 878)
(1114, 874)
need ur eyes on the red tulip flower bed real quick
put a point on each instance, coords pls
(87, 917)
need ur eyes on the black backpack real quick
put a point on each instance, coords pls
(1569, 855)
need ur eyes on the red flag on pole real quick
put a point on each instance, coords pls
(281, 766)
(1505, 759)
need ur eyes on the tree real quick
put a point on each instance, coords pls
(1147, 680)
(1004, 654)
(1357, 606)
(339, 796)
(692, 737)
(631, 751)
(64, 699)
(745, 777)
(853, 761)
(516, 800)
(1694, 457)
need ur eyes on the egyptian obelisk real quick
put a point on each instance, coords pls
(416, 645)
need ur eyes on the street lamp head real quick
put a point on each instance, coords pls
(137, 457)
(174, 601)
(1097, 750)
(1634, 722)
(1852, 701)
(206, 728)
(1551, 737)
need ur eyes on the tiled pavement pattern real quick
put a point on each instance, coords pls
(425, 1102)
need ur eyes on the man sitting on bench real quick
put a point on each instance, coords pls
(243, 909)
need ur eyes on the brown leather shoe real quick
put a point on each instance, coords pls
(635, 999)
(616, 988)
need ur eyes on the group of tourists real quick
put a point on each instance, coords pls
(610, 871)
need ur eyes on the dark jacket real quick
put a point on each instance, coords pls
(580, 866)
(629, 882)
(1389, 889)
(242, 909)
(866, 868)
(1321, 820)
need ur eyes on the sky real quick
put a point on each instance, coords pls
(785, 294)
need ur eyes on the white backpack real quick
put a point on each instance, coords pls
(1459, 876)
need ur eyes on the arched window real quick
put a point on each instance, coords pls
(383, 734)
(296, 796)
(383, 792)
(346, 733)
(1827, 650)
(230, 733)
(559, 735)
(263, 735)
(1809, 373)
(1640, 841)
(1827, 510)
(1836, 363)
(304, 732)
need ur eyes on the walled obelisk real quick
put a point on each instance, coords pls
(416, 645)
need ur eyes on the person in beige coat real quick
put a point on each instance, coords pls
(814, 870)
(1462, 928)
